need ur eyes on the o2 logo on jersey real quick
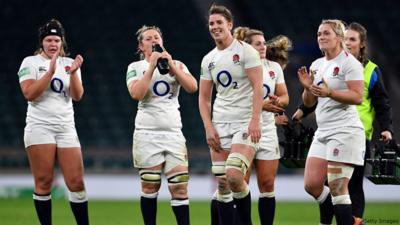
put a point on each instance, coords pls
(57, 85)
(161, 88)
(267, 90)
(225, 79)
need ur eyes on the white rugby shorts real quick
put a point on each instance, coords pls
(64, 136)
(345, 144)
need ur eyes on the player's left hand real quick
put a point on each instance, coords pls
(76, 64)
(166, 55)
(281, 120)
(321, 90)
(386, 135)
(254, 130)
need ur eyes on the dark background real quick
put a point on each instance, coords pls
(104, 33)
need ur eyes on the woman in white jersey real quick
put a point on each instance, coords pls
(275, 99)
(336, 83)
(50, 81)
(158, 143)
(234, 129)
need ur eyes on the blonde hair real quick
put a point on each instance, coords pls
(278, 50)
(139, 34)
(245, 34)
(338, 27)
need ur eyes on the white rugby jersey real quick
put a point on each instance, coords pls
(54, 106)
(226, 68)
(158, 111)
(330, 113)
(272, 75)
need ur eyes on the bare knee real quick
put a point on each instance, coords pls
(43, 183)
(313, 189)
(75, 183)
(266, 184)
(150, 188)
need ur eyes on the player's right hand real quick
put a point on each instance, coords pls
(298, 115)
(305, 79)
(154, 58)
(53, 62)
(213, 139)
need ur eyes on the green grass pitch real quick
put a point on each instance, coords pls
(21, 212)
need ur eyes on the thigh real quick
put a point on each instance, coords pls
(71, 163)
(217, 156)
(42, 159)
(150, 187)
(266, 170)
(315, 171)
(178, 185)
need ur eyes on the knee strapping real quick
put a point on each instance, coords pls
(324, 194)
(240, 195)
(267, 194)
(339, 171)
(178, 178)
(41, 197)
(149, 195)
(150, 176)
(237, 161)
(341, 200)
(224, 197)
(179, 202)
(218, 169)
(78, 197)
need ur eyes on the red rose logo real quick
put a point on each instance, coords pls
(335, 71)
(335, 152)
(67, 69)
(235, 58)
(271, 74)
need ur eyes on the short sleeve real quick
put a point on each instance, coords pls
(251, 57)
(182, 66)
(205, 72)
(280, 78)
(131, 74)
(354, 70)
(26, 70)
